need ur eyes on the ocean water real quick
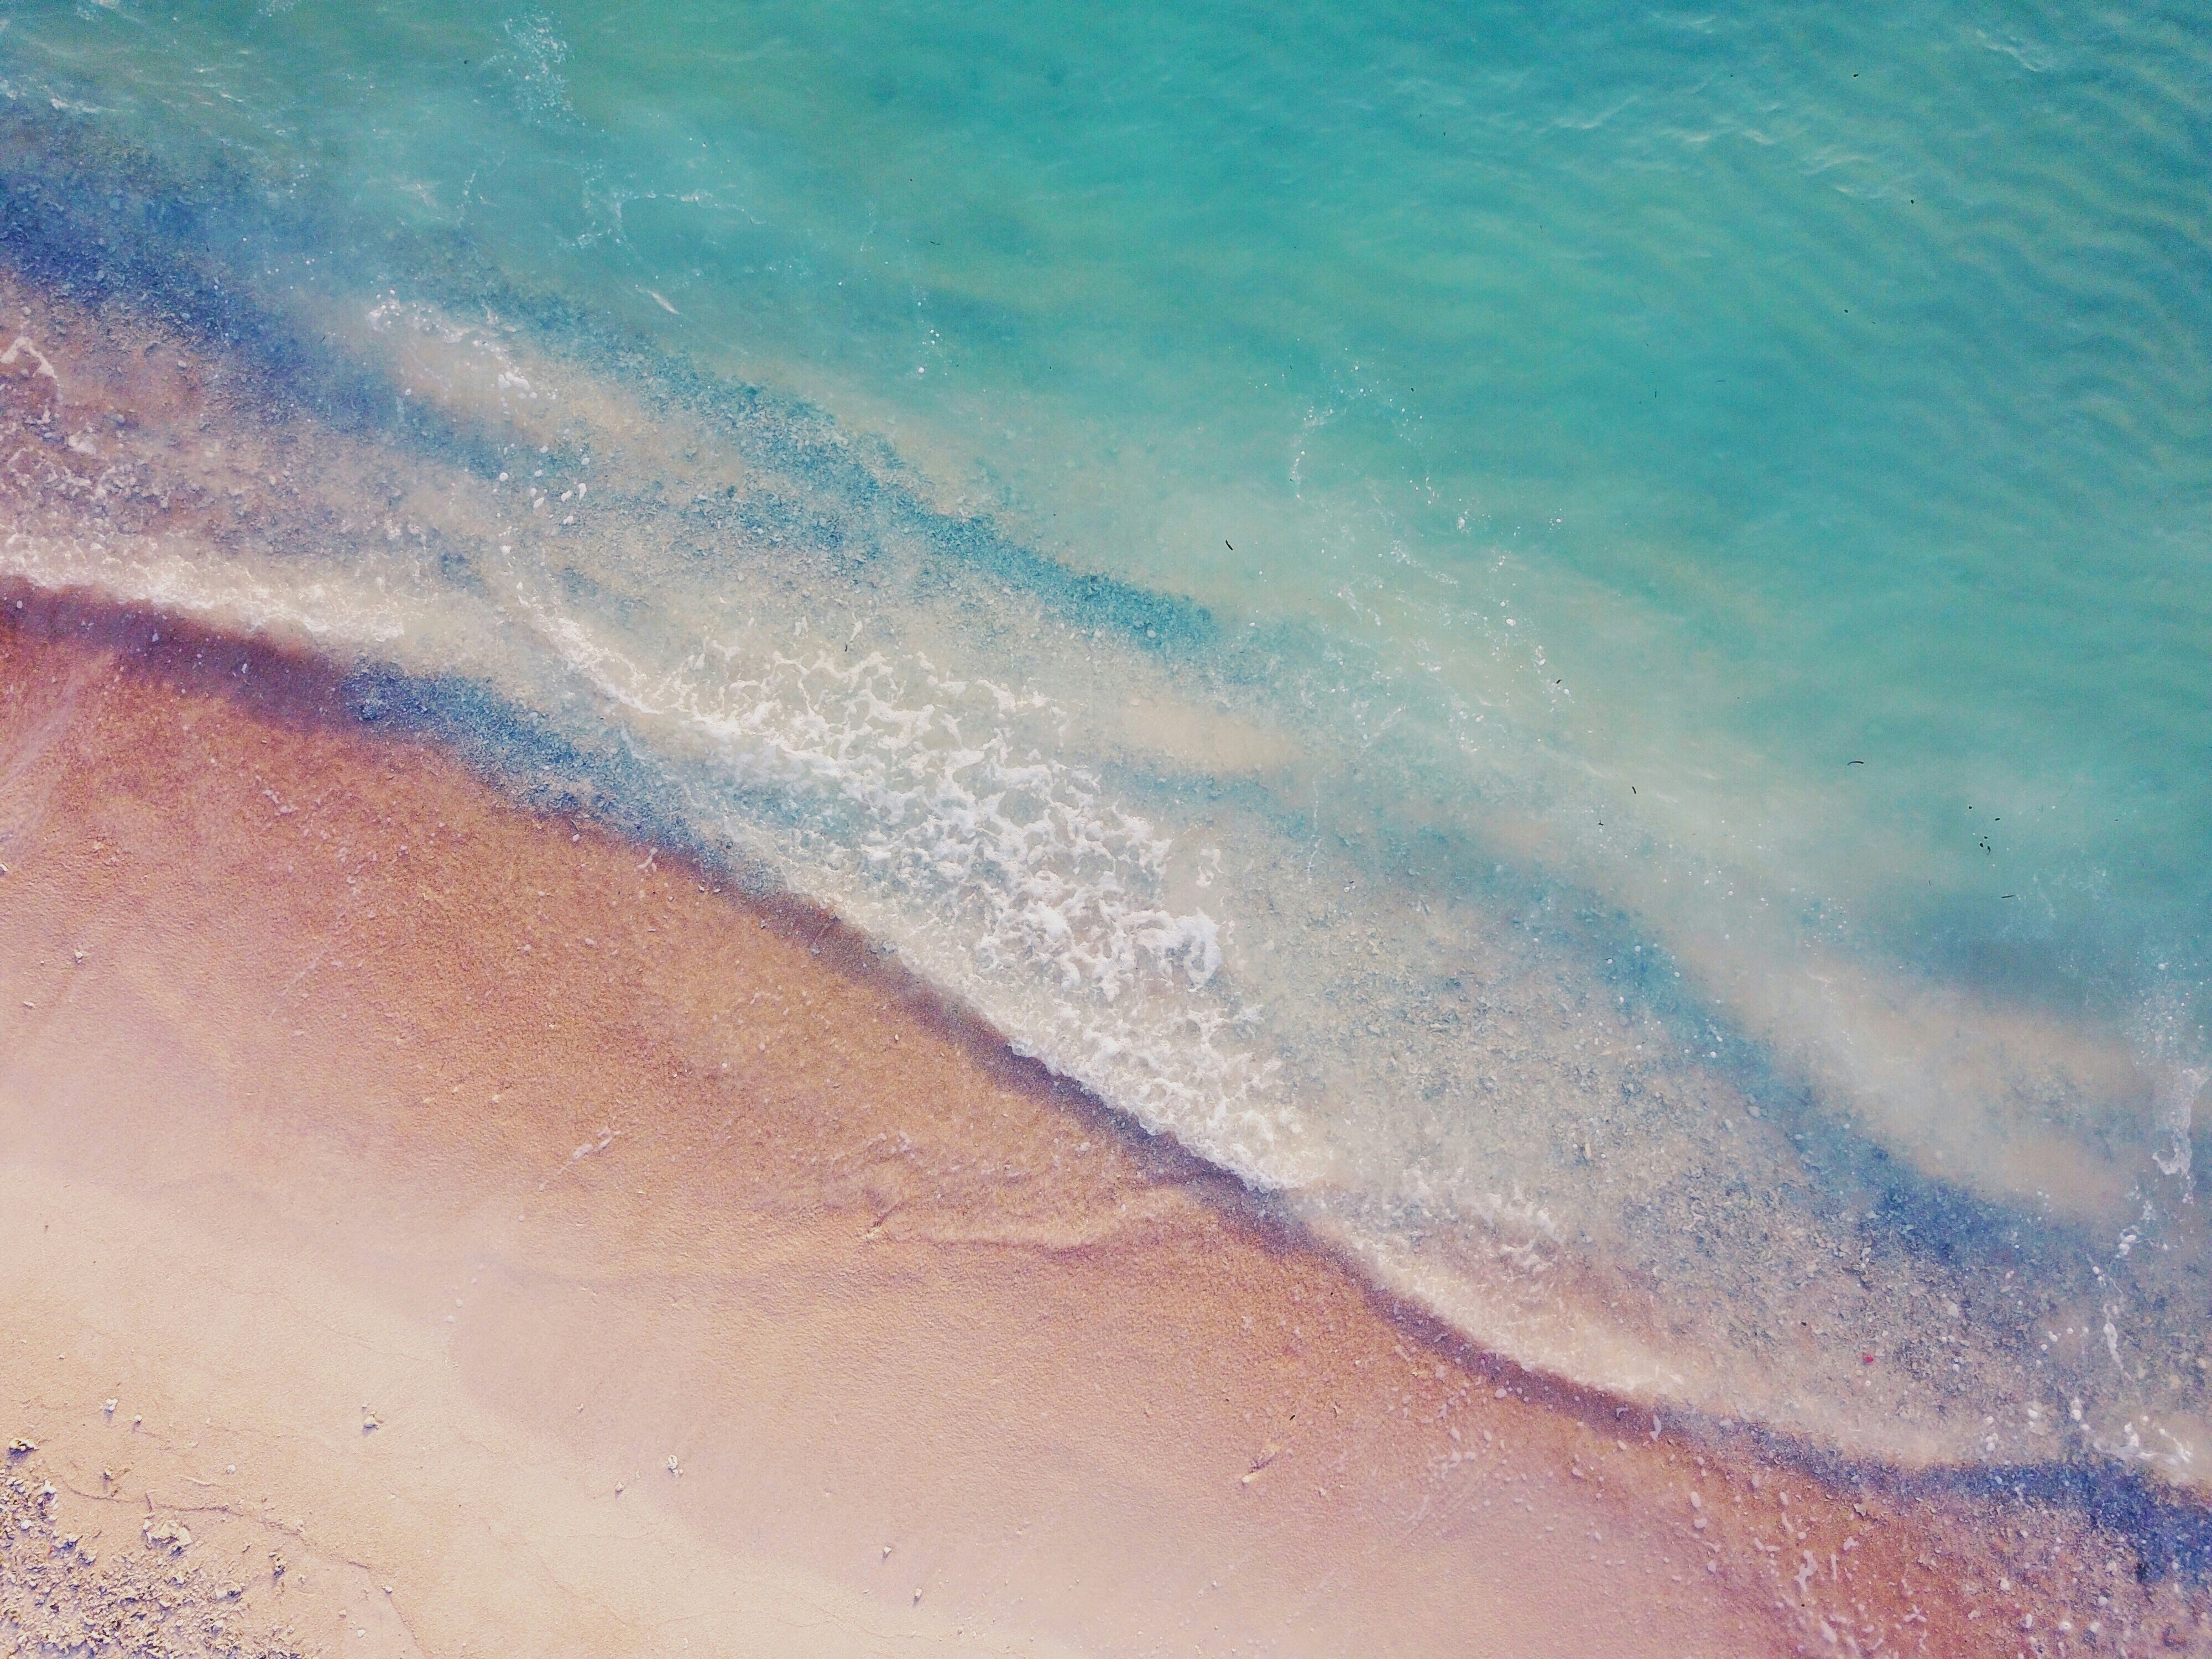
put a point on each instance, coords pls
(1579, 639)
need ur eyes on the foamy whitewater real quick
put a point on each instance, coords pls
(1579, 648)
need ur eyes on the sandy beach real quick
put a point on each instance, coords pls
(479, 1233)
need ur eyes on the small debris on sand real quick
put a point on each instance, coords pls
(1268, 1454)
(52, 1600)
(20, 1447)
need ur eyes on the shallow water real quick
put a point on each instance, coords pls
(1579, 641)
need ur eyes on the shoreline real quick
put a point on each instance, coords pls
(220, 491)
(1088, 1376)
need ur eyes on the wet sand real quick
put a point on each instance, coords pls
(468, 1201)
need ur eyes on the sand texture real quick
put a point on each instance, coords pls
(466, 1202)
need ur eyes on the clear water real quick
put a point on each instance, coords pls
(1644, 751)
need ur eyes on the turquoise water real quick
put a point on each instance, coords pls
(1674, 548)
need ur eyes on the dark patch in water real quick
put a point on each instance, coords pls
(104, 225)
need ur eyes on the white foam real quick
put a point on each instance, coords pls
(901, 797)
(156, 572)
